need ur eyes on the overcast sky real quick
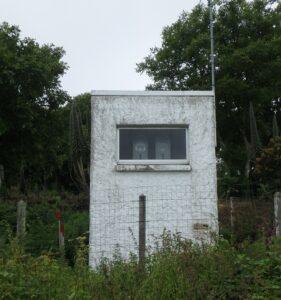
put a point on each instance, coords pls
(103, 39)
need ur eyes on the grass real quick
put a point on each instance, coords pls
(245, 264)
(180, 270)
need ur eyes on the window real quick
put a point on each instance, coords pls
(155, 145)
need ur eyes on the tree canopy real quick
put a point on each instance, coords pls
(248, 67)
(31, 144)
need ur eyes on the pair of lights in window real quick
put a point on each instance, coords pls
(162, 148)
(152, 143)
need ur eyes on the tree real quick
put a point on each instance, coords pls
(268, 165)
(248, 67)
(79, 126)
(31, 131)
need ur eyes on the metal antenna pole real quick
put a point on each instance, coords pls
(212, 56)
(212, 59)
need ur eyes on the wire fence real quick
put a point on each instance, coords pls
(247, 211)
(115, 216)
(245, 191)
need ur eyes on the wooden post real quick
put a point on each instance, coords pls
(61, 235)
(231, 213)
(277, 213)
(21, 219)
(142, 217)
(1, 175)
(1, 178)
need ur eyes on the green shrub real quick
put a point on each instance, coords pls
(179, 270)
(42, 227)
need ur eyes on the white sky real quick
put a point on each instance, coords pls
(103, 39)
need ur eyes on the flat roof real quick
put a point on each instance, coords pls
(151, 93)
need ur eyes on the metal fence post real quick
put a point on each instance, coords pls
(142, 200)
(277, 213)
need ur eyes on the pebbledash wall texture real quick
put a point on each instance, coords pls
(180, 189)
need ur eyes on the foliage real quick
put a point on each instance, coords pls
(268, 165)
(248, 68)
(252, 220)
(80, 141)
(180, 271)
(32, 147)
(42, 227)
(34, 116)
(175, 268)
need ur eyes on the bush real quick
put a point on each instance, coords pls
(42, 227)
(180, 270)
(251, 220)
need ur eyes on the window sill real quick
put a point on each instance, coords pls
(152, 168)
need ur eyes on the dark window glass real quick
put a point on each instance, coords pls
(151, 143)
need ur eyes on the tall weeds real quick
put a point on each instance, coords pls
(177, 270)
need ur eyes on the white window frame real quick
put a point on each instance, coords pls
(154, 161)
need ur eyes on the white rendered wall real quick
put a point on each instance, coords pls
(176, 199)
